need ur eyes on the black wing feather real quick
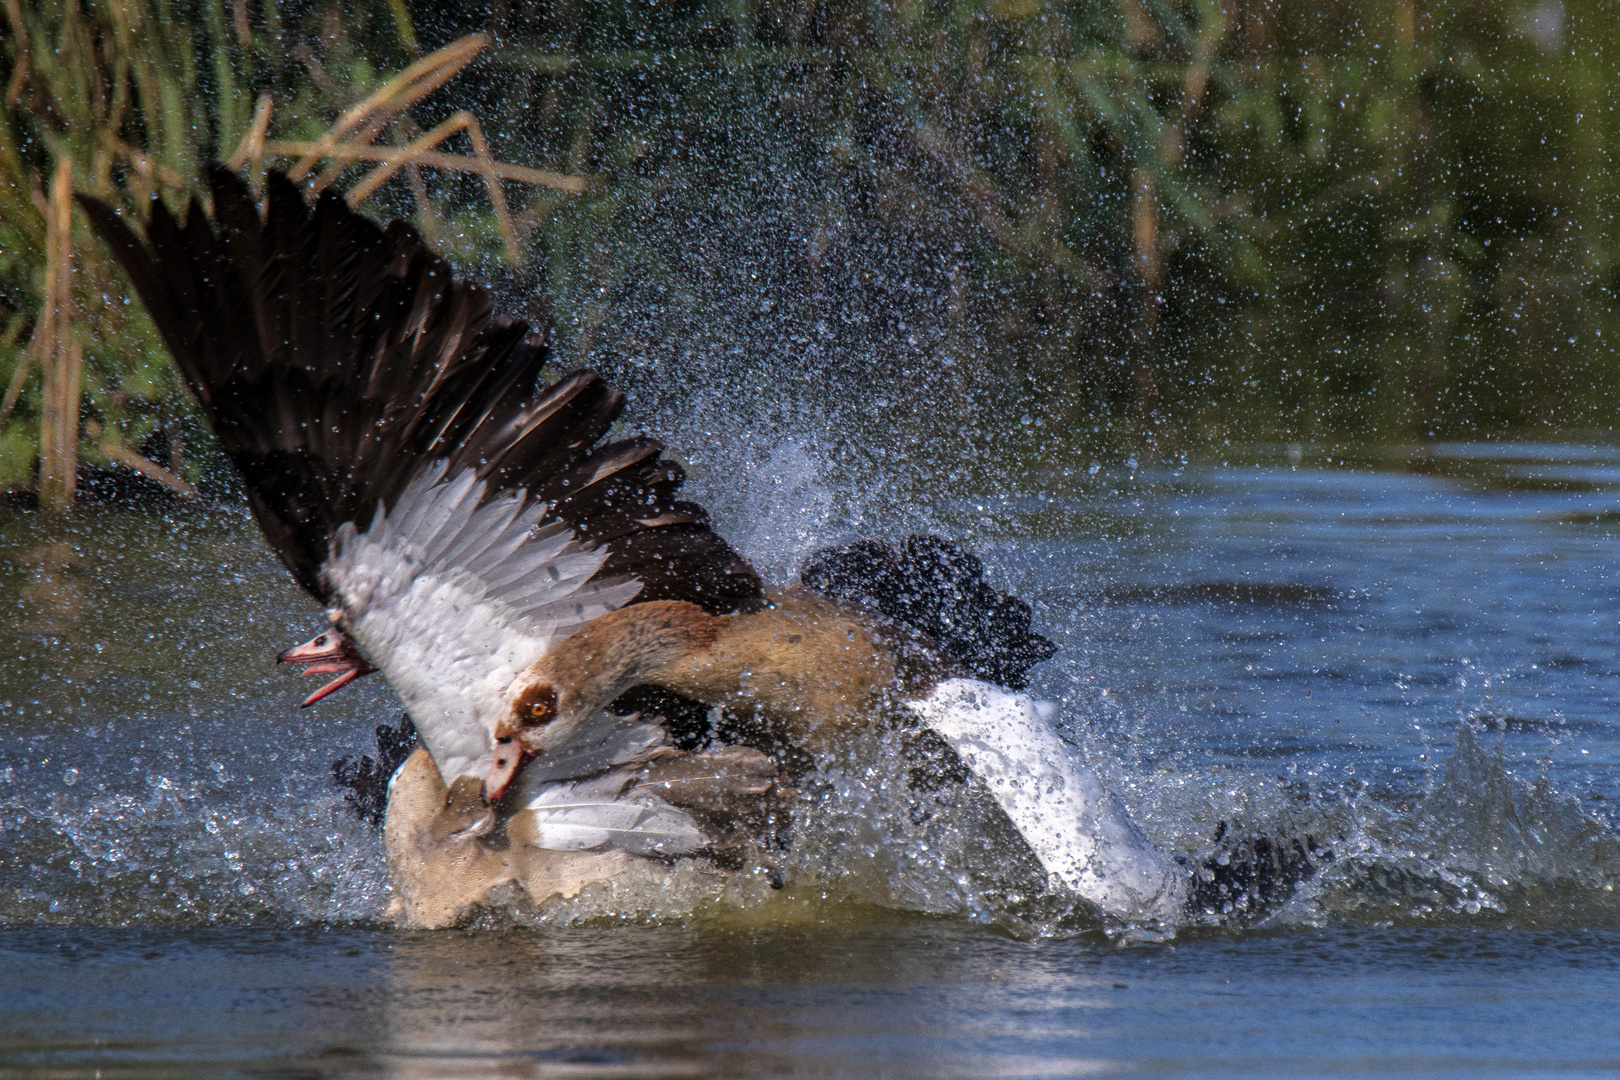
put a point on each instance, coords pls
(335, 359)
(934, 587)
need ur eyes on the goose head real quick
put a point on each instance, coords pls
(537, 718)
(549, 702)
(330, 651)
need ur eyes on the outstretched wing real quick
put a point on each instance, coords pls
(401, 453)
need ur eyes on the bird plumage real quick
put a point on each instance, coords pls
(337, 360)
(464, 523)
(402, 453)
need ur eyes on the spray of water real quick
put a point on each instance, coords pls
(116, 811)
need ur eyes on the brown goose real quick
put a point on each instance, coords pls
(509, 574)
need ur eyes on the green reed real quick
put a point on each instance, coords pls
(1192, 220)
(132, 97)
(1286, 219)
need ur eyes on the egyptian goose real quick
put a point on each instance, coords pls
(463, 523)
(814, 673)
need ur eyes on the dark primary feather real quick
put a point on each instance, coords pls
(335, 359)
(936, 588)
(367, 778)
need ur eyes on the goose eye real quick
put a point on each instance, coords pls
(538, 710)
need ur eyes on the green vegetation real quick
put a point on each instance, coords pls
(123, 100)
(1182, 221)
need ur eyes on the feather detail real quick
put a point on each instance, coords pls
(605, 741)
(401, 455)
(338, 362)
(448, 642)
(584, 815)
(715, 780)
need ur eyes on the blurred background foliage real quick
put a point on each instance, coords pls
(1061, 225)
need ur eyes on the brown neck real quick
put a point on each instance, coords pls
(623, 649)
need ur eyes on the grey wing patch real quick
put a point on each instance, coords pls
(598, 814)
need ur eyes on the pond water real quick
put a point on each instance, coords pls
(1402, 660)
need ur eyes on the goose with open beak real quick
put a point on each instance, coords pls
(462, 520)
(329, 652)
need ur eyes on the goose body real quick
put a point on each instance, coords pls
(472, 537)
(813, 672)
(626, 825)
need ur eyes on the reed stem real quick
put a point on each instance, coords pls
(58, 352)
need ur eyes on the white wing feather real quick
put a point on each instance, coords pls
(583, 815)
(452, 600)
(1081, 833)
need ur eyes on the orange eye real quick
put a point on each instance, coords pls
(537, 705)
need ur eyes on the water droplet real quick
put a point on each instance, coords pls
(69, 778)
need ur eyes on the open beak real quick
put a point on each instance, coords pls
(510, 757)
(325, 654)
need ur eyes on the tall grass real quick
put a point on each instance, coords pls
(1285, 218)
(1187, 220)
(123, 100)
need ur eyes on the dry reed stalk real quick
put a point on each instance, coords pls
(461, 121)
(390, 110)
(58, 352)
(492, 182)
(1197, 82)
(151, 170)
(432, 159)
(377, 177)
(427, 219)
(18, 377)
(1141, 32)
(251, 148)
(19, 74)
(244, 28)
(131, 460)
(394, 96)
(1145, 237)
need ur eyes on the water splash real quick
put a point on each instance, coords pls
(175, 825)
(174, 814)
(1479, 845)
(772, 502)
(203, 837)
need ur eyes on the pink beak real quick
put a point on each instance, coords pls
(324, 654)
(510, 757)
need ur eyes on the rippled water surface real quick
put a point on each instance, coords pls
(1403, 662)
